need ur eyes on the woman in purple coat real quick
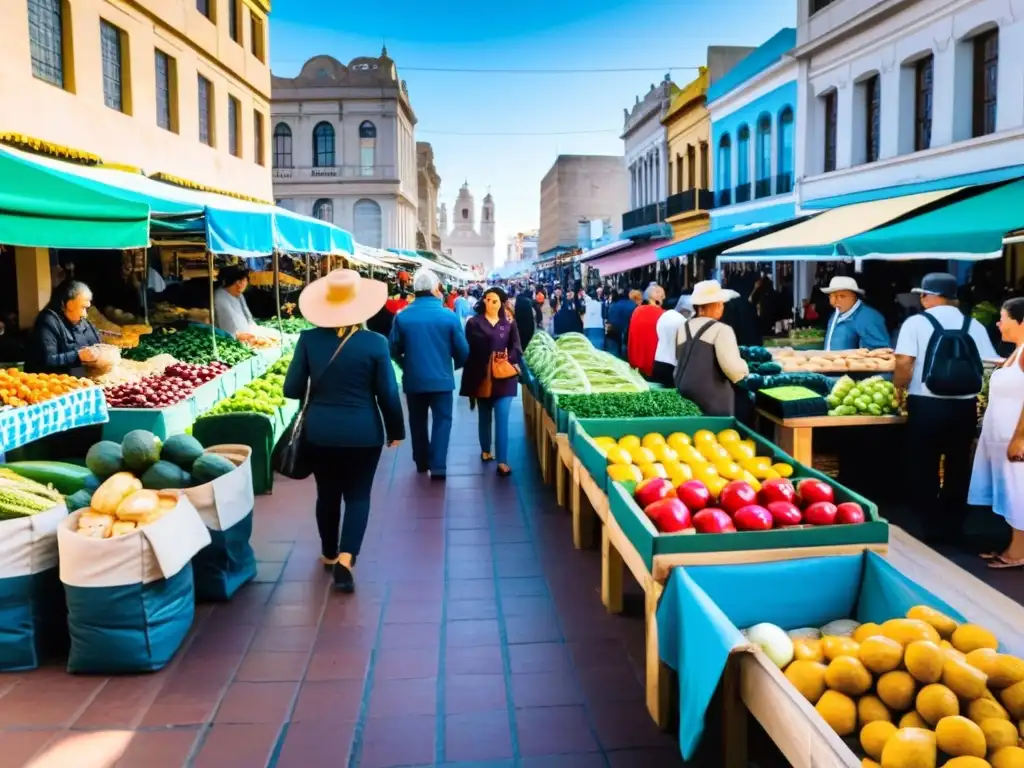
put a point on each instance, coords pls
(492, 331)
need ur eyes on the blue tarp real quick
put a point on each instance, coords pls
(711, 238)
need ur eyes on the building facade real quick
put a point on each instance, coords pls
(428, 185)
(344, 148)
(753, 111)
(522, 246)
(580, 188)
(688, 129)
(646, 152)
(465, 242)
(923, 94)
(179, 87)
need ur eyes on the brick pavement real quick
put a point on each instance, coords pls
(476, 637)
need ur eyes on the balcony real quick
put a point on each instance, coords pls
(688, 201)
(784, 183)
(337, 173)
(640, 217)
(762, 188)
(743, 193)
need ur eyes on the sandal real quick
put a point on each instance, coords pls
(486, 457)
(328, 563)
(1002, 563)
(504, 470)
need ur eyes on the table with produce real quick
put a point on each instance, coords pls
(707, 490)
(845, 662)
(37, 405)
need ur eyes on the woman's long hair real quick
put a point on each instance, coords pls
(502, 299)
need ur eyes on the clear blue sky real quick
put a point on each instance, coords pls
(584, 108)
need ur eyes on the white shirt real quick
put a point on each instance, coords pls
(836, 319)
(592, 314)
(231, 312)
(668, 330)
(916, 332)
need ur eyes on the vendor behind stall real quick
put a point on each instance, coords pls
(853, 325)
(63, 341)
(232, 313)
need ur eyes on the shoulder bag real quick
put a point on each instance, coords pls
(291, 459)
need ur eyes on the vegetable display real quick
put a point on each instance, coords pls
(571, 365)
(263, 395)
(18, 389)
(843, 361)
(121, 506)
(288, 324)
(816, 382)
(191, 345)
(870, 397)
(21, 497)
(629, 405)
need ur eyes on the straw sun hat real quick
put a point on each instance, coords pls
(342, 298)
(711, 292)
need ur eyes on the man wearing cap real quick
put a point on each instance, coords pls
(938, 426)
(429, 344)
(853, 325)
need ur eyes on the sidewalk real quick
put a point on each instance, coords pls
(476, 637)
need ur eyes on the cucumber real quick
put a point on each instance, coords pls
(66, 478)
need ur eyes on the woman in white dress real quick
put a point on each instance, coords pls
(998, 477)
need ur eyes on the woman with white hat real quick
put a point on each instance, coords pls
(853, 325)
(709, 362)
(353, 409)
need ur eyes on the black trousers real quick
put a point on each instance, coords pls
(937, 429)
(343, 474)
(664, 374)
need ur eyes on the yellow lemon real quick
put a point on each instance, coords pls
(665, 454)
(741, 451)
(679, 473)
(629, 442)
(605, 443)
(689, 455)
(758, 466)
(653, 470)
(729, 469)
(753, 481)
(771, 474)
(619, 455)
(651, 440)
(642, 455)
(727, 436)
(702, 436)
(784, 470)
(705, 474)
(716, 485)
(677, 439)
(624, 473)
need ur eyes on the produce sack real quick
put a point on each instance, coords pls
(32, 615)
(225, 505)
(130, 599)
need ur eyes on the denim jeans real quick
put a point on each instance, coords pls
(343, 475)
(596, 336)
(496, 409)
(430, 446)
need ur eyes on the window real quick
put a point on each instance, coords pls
(166, 92)
(817, 5)
(205, 7)
(679, 174)
(323, 209)
(743, 165)
(257, 36)
(923, 72)
(465, 214)
(367, 145)
(113, 73)
(784, 182)
(872, 118)
(366, 222)
(46, 40)
(282, 146)
(257, 137)
(704, 166)
(234, 14)
(234, 128)
(691, 166)
(323, 145)
(724, 170)
(986, 81)
(830, 103)
(764, 156)
(205, 111)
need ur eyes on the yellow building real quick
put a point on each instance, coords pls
(688, 128)
(179, 87)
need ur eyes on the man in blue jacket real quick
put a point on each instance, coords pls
(853, 325)
(428, 342)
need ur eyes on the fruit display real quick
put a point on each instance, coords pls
(121, 506)
(196, 374)
(921, 690)
(127, 371)
(150, 392)
(263, 395)
(571, 365)
(629, 405)
(118, 328)
(191, 345)
(871, 397)
(22, 497)
(288, 324)
(18, 389)
(165, 313)
(844, 361)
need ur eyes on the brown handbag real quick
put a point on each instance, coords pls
(501, 368)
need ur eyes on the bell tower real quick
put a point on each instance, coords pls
(487, 218)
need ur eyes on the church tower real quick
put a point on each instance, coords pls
(487, 218)
(464, 214)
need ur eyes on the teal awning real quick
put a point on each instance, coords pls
(725, 236)
(41, 208)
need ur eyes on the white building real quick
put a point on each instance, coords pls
(344, 148)
(646, 150)
(928, 93)
(464, 242)
(522, 246)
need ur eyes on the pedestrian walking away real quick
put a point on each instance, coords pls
(428, 343)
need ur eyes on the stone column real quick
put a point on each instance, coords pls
(34, 283)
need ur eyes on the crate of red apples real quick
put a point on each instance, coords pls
(177, 383)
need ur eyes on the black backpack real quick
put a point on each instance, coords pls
(952, 363)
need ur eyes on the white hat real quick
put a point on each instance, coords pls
(424, 280)
(711, 292)
(342, 298)
(837, 284)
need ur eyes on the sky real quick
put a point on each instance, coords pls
(503, 130)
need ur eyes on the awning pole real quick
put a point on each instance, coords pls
(277, 289)
(213, 320)
(145, 287)
(307, 269)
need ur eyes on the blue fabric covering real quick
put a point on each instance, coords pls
(131, 628)
(426, 338)
(709, 239)
(704, 607)
(32, 620)
(226, 564)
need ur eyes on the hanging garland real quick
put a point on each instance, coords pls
(39, 147)
(180, 182)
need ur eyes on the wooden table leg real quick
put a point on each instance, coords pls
(798, 442)
(658, 687)
(612, 569)
(583, 519)
(560, 478)
(734, 726)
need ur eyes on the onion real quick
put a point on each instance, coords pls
(840, 628)
(774, 641)
(805, 633)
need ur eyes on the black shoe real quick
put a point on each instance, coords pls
(328, 562)
(421, 470)
(439, 477)
(343, 579)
